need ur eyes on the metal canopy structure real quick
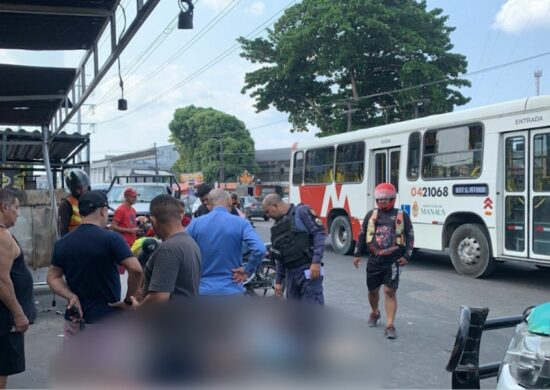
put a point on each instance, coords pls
(52, 25)
(49, 97)
(31, 95)
(25, 147)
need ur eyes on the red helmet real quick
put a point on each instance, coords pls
(385, 191)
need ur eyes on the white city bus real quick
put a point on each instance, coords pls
(475, 182)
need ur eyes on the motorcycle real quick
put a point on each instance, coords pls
(262, 282)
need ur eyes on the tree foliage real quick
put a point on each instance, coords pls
(324, 57)
(198, 132)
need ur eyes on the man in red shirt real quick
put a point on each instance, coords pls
(124, 219)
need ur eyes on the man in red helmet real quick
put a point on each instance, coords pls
(388, 239)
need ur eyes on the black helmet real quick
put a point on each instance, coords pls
(77, 179)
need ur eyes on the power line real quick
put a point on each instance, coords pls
(231, 49)
(209, 26)
(143, 56)
(268, 124)
(201, 70)
(447, 79)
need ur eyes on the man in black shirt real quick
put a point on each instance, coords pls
(85, 264)
(388, 239)
(202, 193)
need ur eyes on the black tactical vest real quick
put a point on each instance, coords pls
(290, 246)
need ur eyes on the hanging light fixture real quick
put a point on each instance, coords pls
(185, 19)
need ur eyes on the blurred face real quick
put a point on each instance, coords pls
(132, 199)
(10, 212)
(204, 199)
(385, 203)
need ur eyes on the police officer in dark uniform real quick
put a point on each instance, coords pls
(68, 215)
(298, 241)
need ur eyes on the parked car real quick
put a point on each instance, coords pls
(527, 360)
(146, 193)
(103, 187)
(253, 208)
(189, 202)
(526, 364)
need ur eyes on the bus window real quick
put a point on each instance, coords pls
(298, 169)
(380, 168)
(350, 163)
(394, 168)
(541, 162)
(453, 153)
(319, 165)
(515, 164)
(413, 159)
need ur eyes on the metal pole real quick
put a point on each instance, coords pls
(79, 130)
(349, 118)
(222, 178)
(538, 75)
(156, 160)
(49, 175)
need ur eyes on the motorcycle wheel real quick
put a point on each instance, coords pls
(264, 279)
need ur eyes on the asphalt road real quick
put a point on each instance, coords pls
(429, 297)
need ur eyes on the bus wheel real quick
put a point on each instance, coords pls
(341, 236)
(470, 252)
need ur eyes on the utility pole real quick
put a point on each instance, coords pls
(538, 75)
(350, 112)
(222, 167)
(156, 160)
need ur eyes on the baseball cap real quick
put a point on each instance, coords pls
(130, 191)
(90, 201)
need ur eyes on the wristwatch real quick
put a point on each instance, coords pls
(128, 301)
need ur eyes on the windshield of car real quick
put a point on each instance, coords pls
(145, 193)
(249, 200)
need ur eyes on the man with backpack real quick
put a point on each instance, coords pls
(387, 238)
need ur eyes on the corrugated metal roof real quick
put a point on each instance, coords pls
(25, 147)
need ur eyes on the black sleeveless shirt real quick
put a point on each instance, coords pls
(23, 285)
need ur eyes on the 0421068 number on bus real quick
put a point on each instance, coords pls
(430, 192)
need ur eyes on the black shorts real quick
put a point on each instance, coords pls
(12, 353)
(382, 275)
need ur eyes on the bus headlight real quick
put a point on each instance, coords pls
(529, 358)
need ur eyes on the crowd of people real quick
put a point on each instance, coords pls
(187, 258)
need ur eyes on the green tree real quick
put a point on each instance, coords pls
(324, 57)
(203, 135)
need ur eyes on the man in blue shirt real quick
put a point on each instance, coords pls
(221, 237)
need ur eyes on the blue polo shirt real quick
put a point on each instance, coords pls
(221, 238)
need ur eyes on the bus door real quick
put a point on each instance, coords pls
(386, 168)
(527, 194)
(540, 195)
(516, 197)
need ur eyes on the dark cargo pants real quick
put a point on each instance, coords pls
(302, 289)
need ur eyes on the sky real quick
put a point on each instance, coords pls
(203, 67)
